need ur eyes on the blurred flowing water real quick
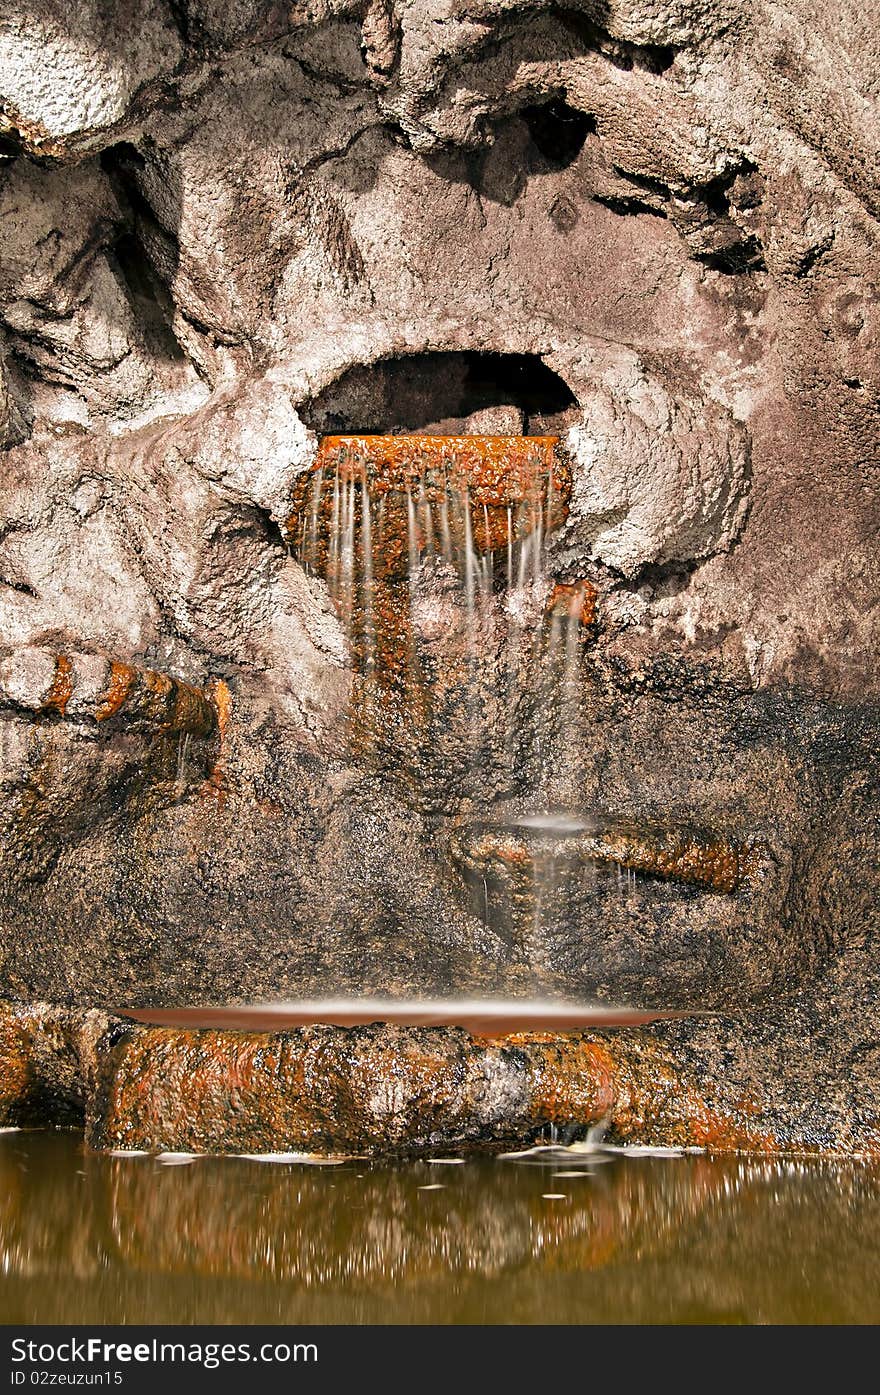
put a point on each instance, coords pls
(434, 554)
(420, 534)
(549, 1236)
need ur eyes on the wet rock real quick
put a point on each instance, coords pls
(377, 1090)
(236, 229)
(46, 1063)
(90, 686)
(387, 1090)
(380, 1090)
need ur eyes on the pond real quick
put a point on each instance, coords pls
(554, 1236)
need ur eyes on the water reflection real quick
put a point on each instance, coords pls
(551, 1239)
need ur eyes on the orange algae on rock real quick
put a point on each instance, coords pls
(155, 699)
(573, 1078)
(136, 696)
(381, 1089)
(220, 697)
(494, 470)
(60, 692)
(122, 678)
(576, 600)
(714, 863)
(477, 491)
(659, 1103)
(15, 1067)
(378, 1089)
(45, 1062)
(384, 1089)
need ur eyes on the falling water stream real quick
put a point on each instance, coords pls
(434, 554)
(397, 526)
(390, 523)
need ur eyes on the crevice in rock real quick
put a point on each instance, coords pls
(586, 34)
(628, 206)
(650, 58)
(148, 297)
(645, 182)
(708, 216)
(558, 131)
(716, 206)
(736, 259)
(670, 577)
(540, 138)
(32, 368)
(22, 587)
(145, 282)
(318, 75)
(121, 163)
(10, 149)
(181, 18)
(328, 157)
(813, 255)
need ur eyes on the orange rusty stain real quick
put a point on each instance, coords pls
(493, 475)
(191, 710)
(220, 695)
(577, 600)
(717, 864)
(158, 683)
(122, 678)
(573, 1080)
(658, 1102)
(220, 698)
(453, 492)
(15, 1064)
(182, 1088)
(61, 689)
(714, 863)
(494, 846)
(720, 1132)
(496, 470)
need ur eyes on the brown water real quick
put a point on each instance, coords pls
(686, 1239)
(482, 1018)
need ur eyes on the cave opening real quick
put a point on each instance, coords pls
(446, 394)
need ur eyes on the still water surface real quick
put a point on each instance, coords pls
(689, 1239)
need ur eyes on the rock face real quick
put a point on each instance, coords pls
(376, 1089)
(649, 231)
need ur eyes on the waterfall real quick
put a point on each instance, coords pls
(434, 552)
(381, 519)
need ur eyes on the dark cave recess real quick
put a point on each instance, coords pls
(446, 394)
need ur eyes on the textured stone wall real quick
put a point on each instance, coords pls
(650, 229)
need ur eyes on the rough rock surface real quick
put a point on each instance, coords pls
(649, 229)
(377, 1089)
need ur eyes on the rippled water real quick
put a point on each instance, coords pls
(548, 1238)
